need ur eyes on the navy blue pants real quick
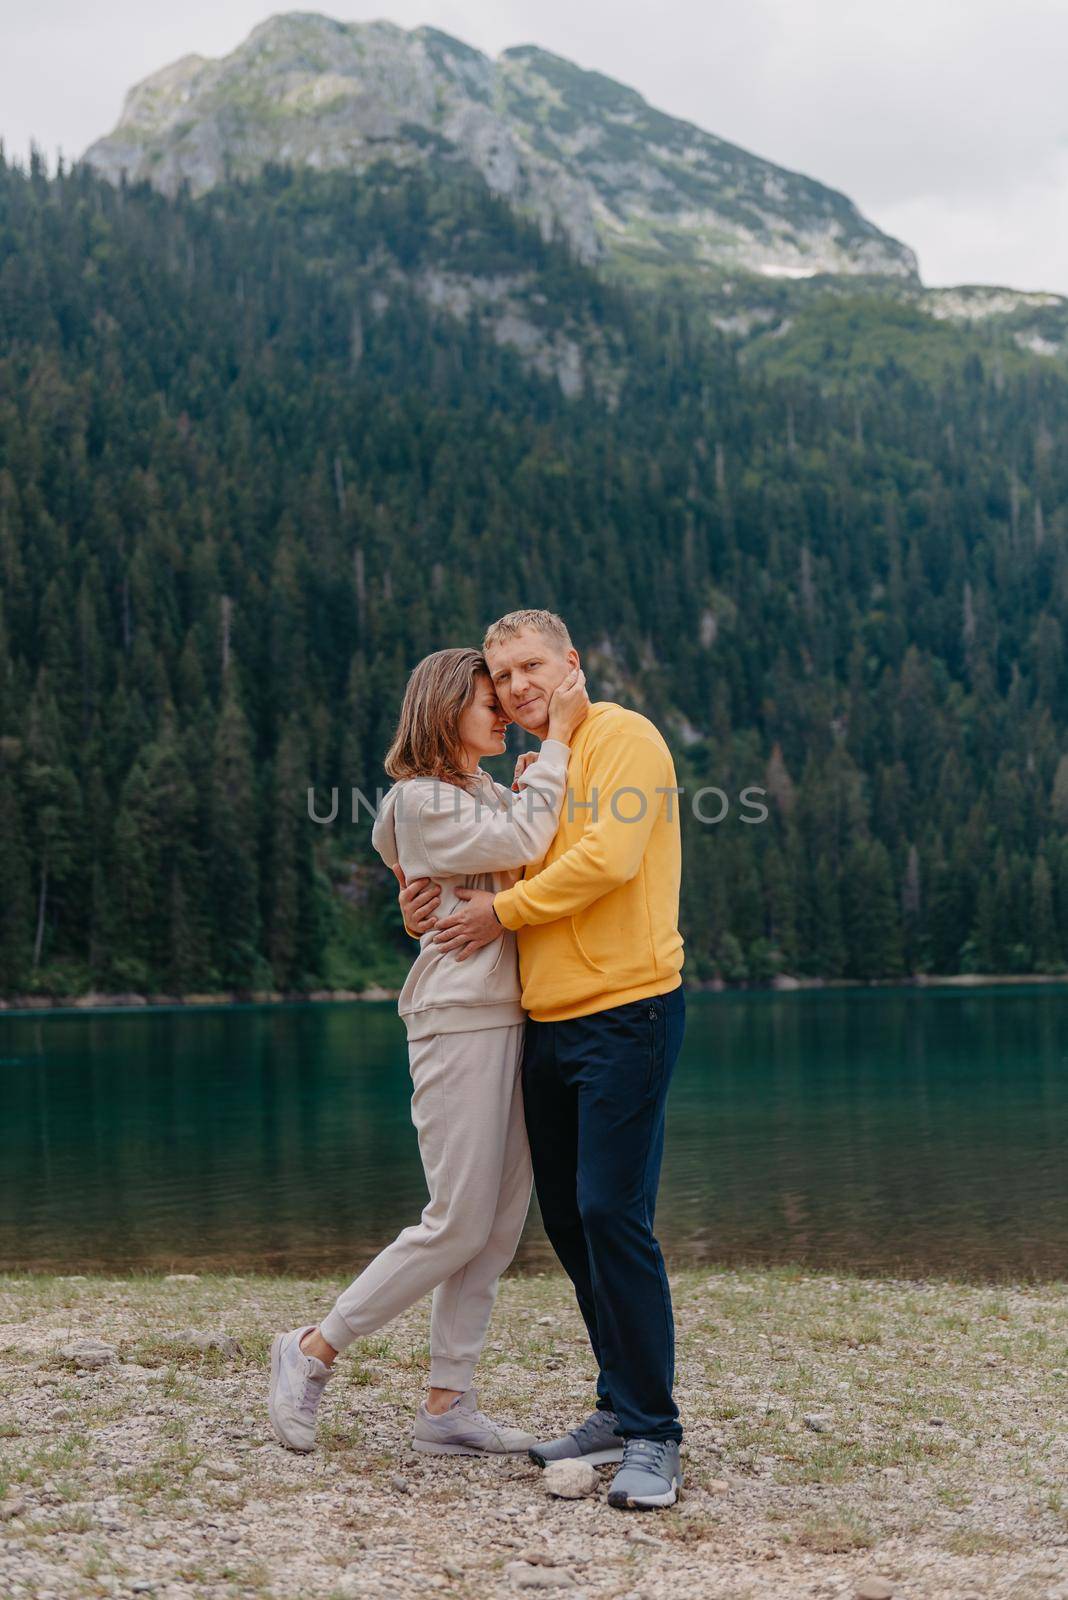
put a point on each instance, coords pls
(594, 1091)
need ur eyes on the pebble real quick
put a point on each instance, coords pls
(225, 1471)
(873, 1588)
(142, 1586)
(451, 1570)
(11, 1508)
(545, 1322)
(644, 1538)
(570, 1480)
(400, 1484)
(204, 1340)
(522, 1576)
(182, 1277)
(90, 1354)
(719, 1486)
(61, 1414)
(817, 1422)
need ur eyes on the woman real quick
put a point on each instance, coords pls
(447, 819)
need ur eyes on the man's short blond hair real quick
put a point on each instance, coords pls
(543, 622)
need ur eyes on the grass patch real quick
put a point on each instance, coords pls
(835, 1534)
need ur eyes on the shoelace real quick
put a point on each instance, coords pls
(312, 1393)
(484, 1421)
(647, 1453)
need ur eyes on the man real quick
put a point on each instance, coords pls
(600, 958)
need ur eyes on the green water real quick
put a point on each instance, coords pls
(889, 1130)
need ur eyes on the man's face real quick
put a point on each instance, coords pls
(525, 671)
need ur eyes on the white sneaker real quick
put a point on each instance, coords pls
(297, 1384)
(463, 1430)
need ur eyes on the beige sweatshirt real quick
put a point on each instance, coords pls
(473, 840)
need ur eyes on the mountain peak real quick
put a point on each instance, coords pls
(570, 147)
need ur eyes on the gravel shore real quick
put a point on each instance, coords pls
(844, 1437)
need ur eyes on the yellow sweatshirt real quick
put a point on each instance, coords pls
(596, 918)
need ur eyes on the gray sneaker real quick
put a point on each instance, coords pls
(297, 1384)
(463, 1430)
(650, 1475)
(594, 1440)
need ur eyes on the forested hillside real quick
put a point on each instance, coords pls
(252, 467)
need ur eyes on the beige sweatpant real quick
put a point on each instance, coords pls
(467, 1106)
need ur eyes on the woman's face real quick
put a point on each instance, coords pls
(482, 723)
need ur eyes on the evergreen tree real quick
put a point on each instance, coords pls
(871, 923)
(16, 900)
(233, 872)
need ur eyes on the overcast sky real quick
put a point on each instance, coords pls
(946, 121)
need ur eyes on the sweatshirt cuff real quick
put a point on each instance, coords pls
(505, 905)
(555, 747)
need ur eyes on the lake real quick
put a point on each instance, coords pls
(898, 1131)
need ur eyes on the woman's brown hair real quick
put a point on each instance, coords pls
(427, 741)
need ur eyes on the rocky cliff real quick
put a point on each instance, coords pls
(574, 149)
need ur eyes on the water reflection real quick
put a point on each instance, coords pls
(890, 1131)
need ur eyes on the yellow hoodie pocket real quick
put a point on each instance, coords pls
(612, 937)
(594, 966)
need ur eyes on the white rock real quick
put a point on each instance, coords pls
(203, 1340)
(570, 1480)
(90, 1353)
(522, 1576)
(182, 1277)
(873, 1588)
(225, 1471)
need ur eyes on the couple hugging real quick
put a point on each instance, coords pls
(544, 1012)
